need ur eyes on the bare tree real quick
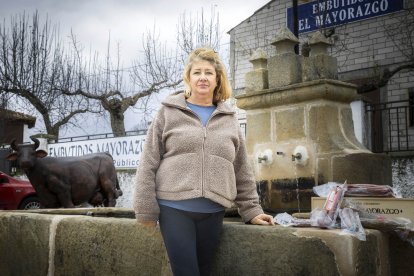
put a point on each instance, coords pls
(32, 64)
(107, 85)
(199, 30)
(61, 84)
(401, 34)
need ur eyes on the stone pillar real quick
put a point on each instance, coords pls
(319, 65)
(257, 79)
(285, 67)
(301, 134)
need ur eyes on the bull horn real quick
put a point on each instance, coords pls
(36, 142)
(13, 145)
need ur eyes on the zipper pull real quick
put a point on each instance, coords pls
(205, 132)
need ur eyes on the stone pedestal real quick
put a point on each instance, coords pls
(285, 67)
(257, 79)
(319, 65)
(315, 115)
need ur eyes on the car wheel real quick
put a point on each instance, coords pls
(30, 203)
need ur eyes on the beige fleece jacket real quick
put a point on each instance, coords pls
(182, 159)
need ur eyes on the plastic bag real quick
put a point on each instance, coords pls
(351, 224)
(324, 189)
(369, 190)
(286, 220)
(356, 190)
(399, 226)
(326, 217)
(319, 218)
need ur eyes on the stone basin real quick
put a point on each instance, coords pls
(105, 241)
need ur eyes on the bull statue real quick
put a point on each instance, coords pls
(68, 181)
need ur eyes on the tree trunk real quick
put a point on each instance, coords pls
(117, 124)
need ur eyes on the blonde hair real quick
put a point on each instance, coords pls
(223, 90)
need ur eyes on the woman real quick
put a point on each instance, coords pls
(194, 165)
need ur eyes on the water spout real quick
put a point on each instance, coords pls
(297, 156)
(300, 156)
(262, 158)
(265, 157)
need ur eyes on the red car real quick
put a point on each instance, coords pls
(17, 194)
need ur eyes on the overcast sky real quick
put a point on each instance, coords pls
(126, 20)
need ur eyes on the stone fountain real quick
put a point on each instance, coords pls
(299, 126)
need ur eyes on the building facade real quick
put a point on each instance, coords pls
(372, 40)
(13, 126)
(373, 37)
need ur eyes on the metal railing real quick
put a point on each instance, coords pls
(390, 126)
(111, 135)
(98, 136)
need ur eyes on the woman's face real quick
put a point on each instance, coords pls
(203, 79)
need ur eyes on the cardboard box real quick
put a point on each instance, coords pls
(388, 207)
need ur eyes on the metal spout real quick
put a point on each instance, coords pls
(262, 158)
(297, 156)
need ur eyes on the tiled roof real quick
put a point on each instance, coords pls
(10, 115)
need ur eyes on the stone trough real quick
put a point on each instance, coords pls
(108, 241)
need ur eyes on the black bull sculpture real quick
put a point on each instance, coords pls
(68, 181)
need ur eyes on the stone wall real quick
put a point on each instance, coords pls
(61, 244)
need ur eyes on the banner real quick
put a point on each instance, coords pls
(124, 150)
(328, 13)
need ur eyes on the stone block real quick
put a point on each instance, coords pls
(282, 166)
(355, 257)
(325, 129)
(290, 124)
(362, 168)
(284, 69)
(101, 247)
(24, 243)
(319, 67)
(308, 69)
(291, 195)
(268, 251)
(258, 128)
(348, 127)
(323, 171)
(256, 80)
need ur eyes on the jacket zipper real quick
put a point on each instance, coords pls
(203, 161)
(203, 165)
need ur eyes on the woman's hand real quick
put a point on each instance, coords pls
(148, 223)
(262, 219)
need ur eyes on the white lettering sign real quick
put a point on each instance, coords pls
(124, 150)
(320, 14)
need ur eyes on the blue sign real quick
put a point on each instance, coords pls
(327, 13)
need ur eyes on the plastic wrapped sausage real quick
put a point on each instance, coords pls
(326, 217)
